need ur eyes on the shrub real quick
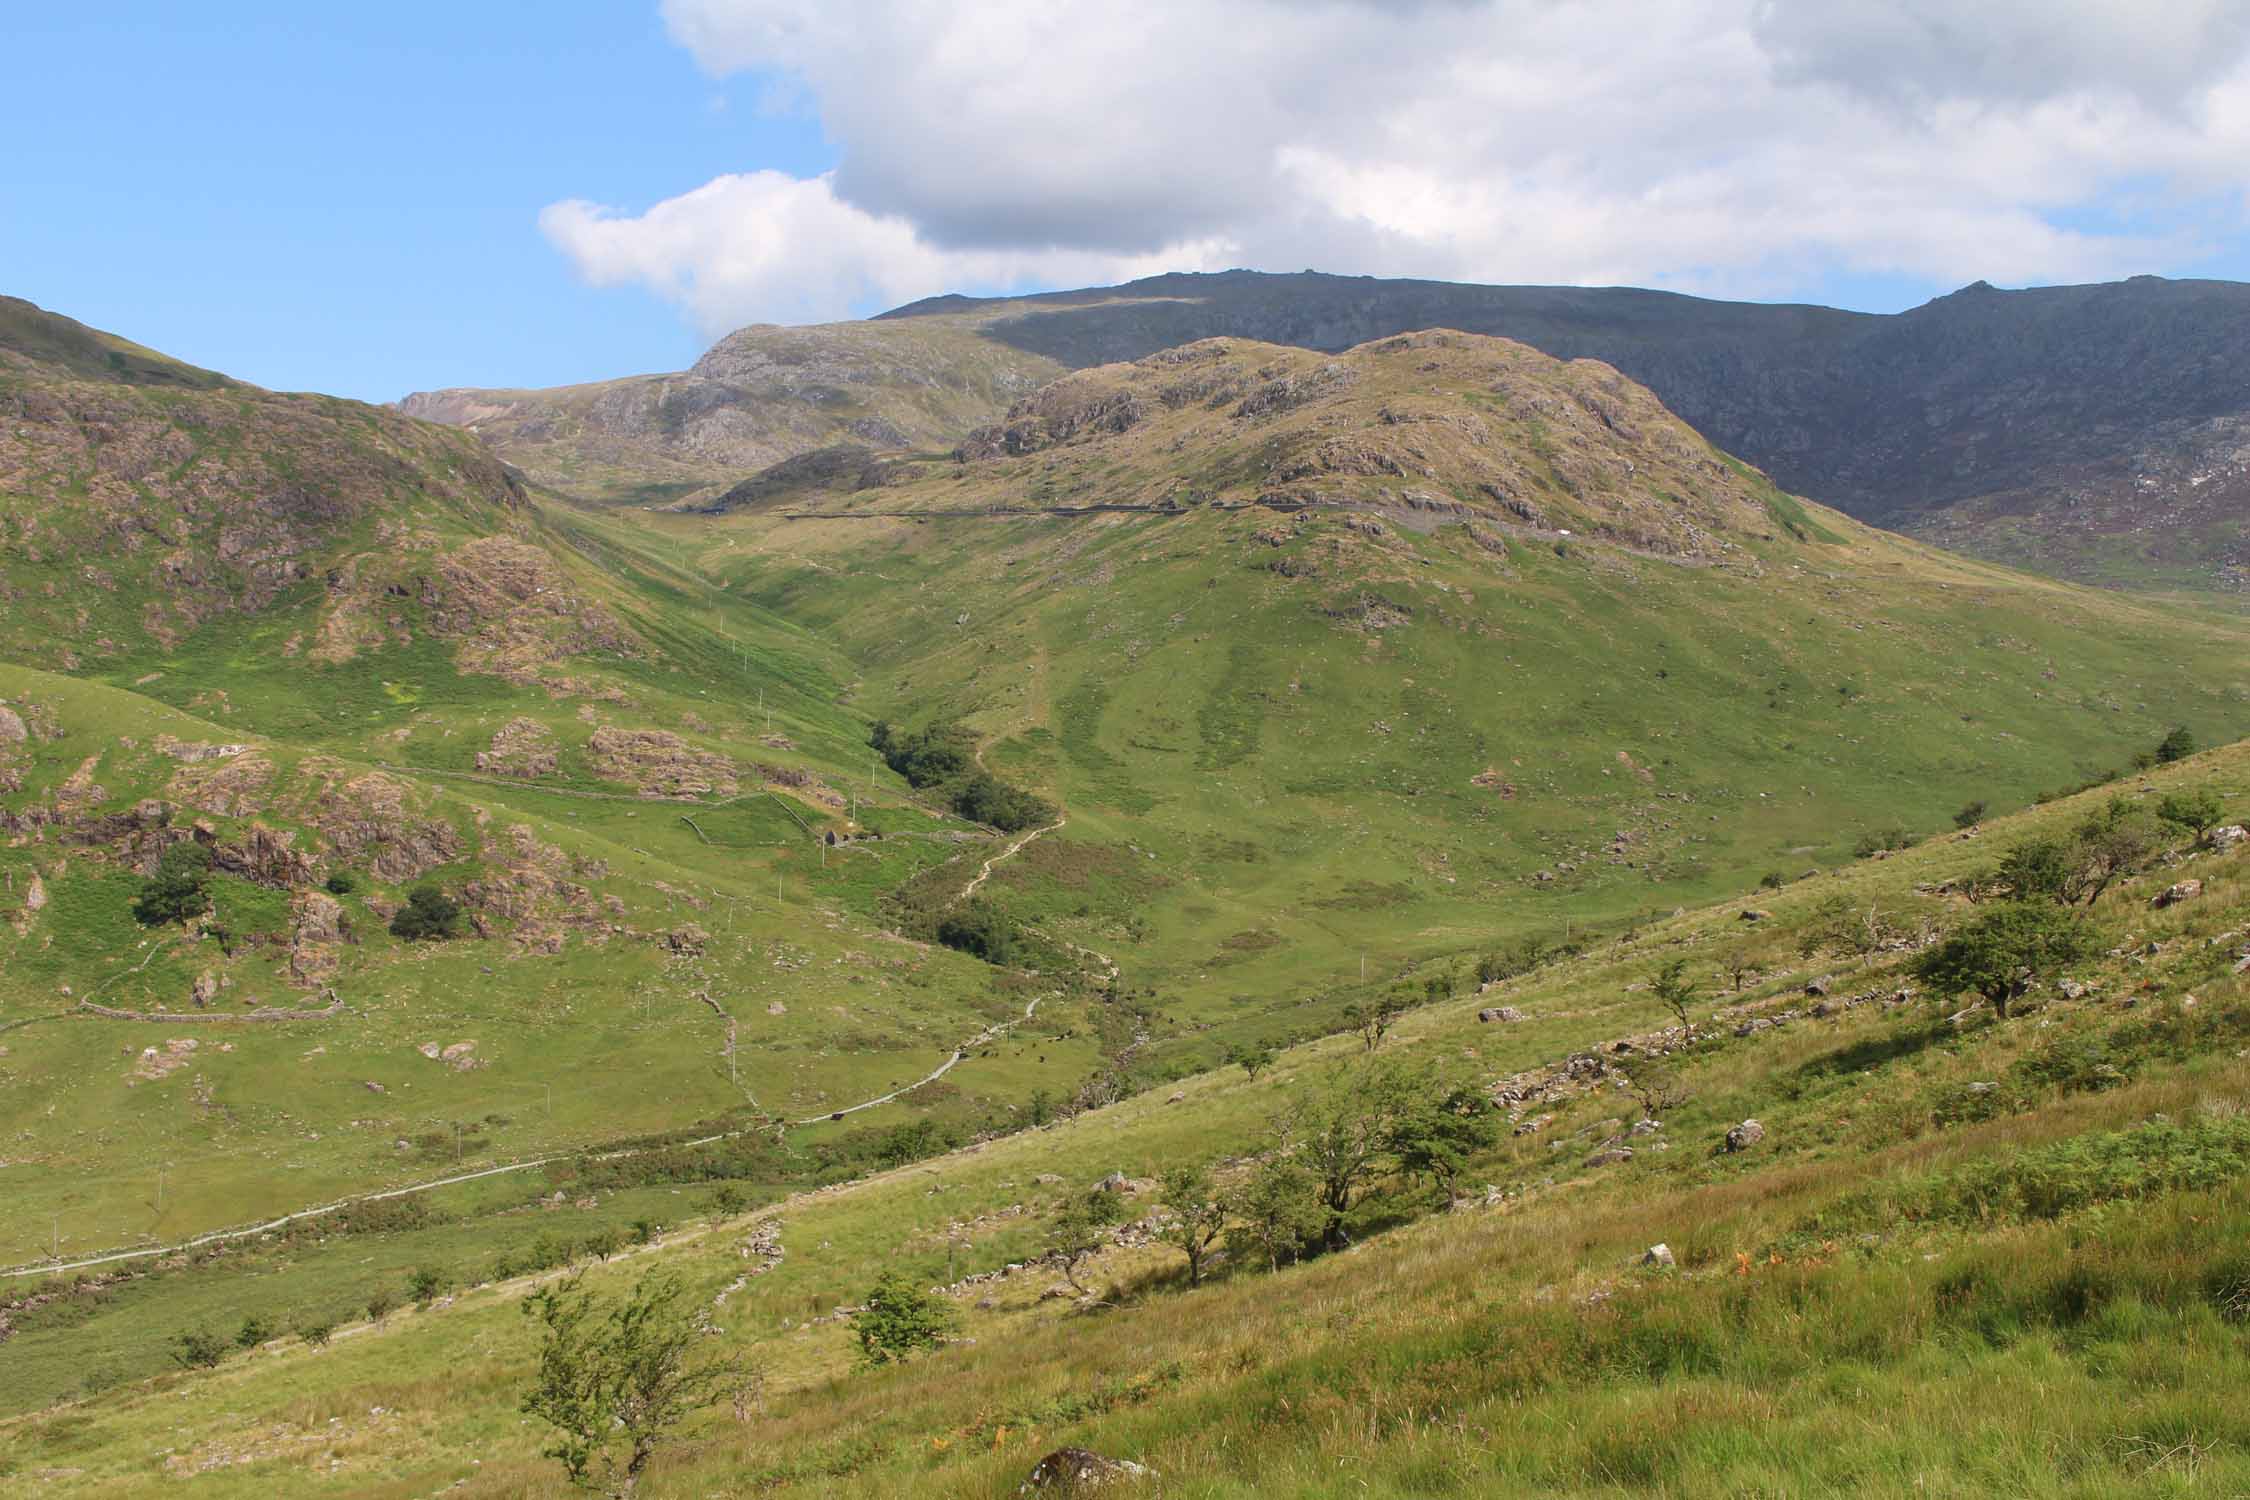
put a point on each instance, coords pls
(979, 929)
(1970, 815)
(1882, 841)
(253, 1332)
(316, 1330)
(342, 883)
(2178, 745)
(179, 889)
(426, 1284)
(429, 915)
(984, 798)
(198, 1349)
(1772, 880)
(898, 1319)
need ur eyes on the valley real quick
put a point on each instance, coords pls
(823, 814)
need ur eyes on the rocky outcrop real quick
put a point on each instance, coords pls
(369, 819)
(522, 748)
(1076, 1471)
(658, 763)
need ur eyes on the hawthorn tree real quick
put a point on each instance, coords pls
(617, 1378)
(2004, 951)
(899, 1319)
(1200, 1213)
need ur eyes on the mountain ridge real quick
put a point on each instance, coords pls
(1947, 421)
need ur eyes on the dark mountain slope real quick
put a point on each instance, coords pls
(2098, 431)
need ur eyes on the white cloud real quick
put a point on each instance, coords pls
(768, 247)
(1744, 146)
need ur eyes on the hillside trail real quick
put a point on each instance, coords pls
(1008, 853)
(217, 1236)
(282, 1221)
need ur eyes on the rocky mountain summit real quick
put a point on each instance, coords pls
(2097, 432)
(762, 394)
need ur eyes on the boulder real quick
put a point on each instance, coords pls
(2225, 838)
(1752, 914)
(1660, 1256)
(1610, 1156)
(12, 730)
(1075, 1471)
(1646, 1127)
(687, 941)
(1818, 986)
(2173, 895)
(1505, 1013)
(1742, 1137)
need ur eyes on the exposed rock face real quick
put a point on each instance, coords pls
(199, 495)
(265, 856)
(521, 747)
(659, 763)
(225, 786)
(368, 818)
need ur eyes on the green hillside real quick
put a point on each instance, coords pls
(888, 841)
(1933, 1209)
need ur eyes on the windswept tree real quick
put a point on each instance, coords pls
(1345, 1135)
(1252, 1057)
(1438, 1127)
(1676, 993)
(1079, 1227)
(617, 1378)
(1199, 1216)
(2004, 951)
(1275, 1211)
(2196, 812)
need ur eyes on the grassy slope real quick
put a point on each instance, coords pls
(1879, 1254)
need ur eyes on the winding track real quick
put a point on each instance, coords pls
(216, 1236)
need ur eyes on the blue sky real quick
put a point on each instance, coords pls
(345, 198)
(372, 200)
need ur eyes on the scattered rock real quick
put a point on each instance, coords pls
(687, 941)
(205, 988)
(1659, 1255)
(2070, 989)
(1646, 1127)
(1742, 1137)
(1070, 1471)
(2173, 895)
(12, 730)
